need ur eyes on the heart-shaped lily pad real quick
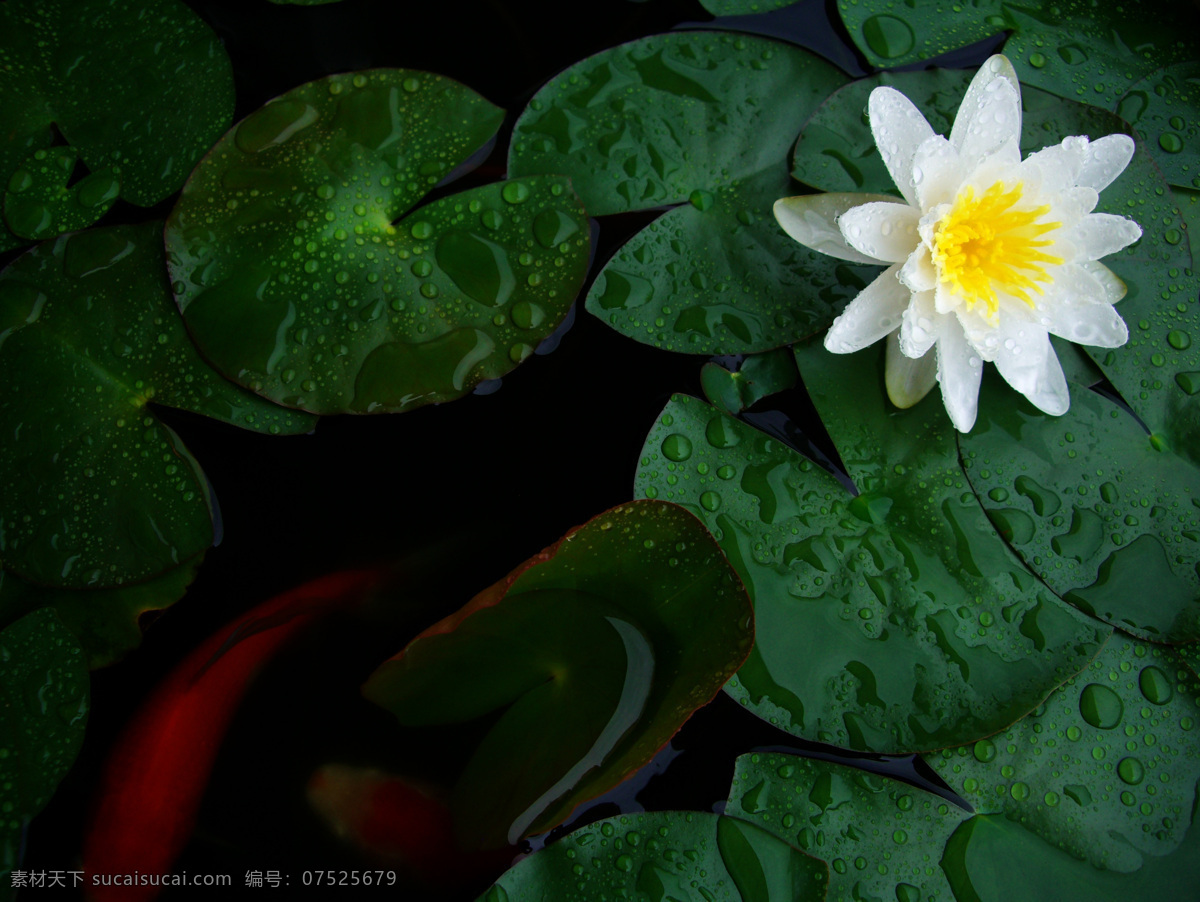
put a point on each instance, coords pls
(89, 338)
(596, 650)
(663, 120)
(1106, 519)
(676, 855)
(758, 377)
(299, 279)
(38, 203)
(1106, 770)
(888, 622)
(43, 710)
(105, 621)
(886, 840)
(140, 84)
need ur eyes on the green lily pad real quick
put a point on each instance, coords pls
(1188, 202)
(758, 377)
(143, 85)
(888, 622)
(596, 651)
(1106, 519)
(1106, 770)
(661, 121)
(1163, 109)
(298, 282)
(1158, 370)
(878, 836)
(743, 7)
(105, 621)
(886, 840)
(43, 710)
(38, 203)
(682, 856)
(1074, 49)
(89, 338)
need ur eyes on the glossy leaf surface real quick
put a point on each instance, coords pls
(888, 840)
(1164, 109)
(1106, 770)
(143, 85)
(743, 7)
(595, 651)
(156, 774)
(90, 338)
(1075, 49)
(104, 621)
(1100, 514)
(43, 710)
(758, 377)
(662, 121)
(39, 204)
(305, 273)
(878, 836)
(682, 856)
(891, 621)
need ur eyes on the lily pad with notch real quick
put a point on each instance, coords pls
(89, 339)
(890, 621)
(1106, 770)
(144, 85)
(678, 855)
(1105, 518)
(39, 203)
(758, 376)
(594, 651)
(661, 121)
(307, 274)
(106, 622)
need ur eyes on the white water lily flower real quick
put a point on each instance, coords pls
(987, 256)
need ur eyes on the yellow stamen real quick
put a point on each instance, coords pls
(984, 244)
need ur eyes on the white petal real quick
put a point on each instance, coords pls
(812, 220)
(918, 271)
(884, 231)
(918, 327)
(944, 300)
(1060, 164)
(1100, 234)
(995, 67)
(870, 316)
(1030, 365)
(1077, 309)
(937, 172)
(989, 120)
(1069, 206)
(959, 370)
(1104, 160)
(899, 128)
(1114, 288)
(908, 379)
(1092, 323)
